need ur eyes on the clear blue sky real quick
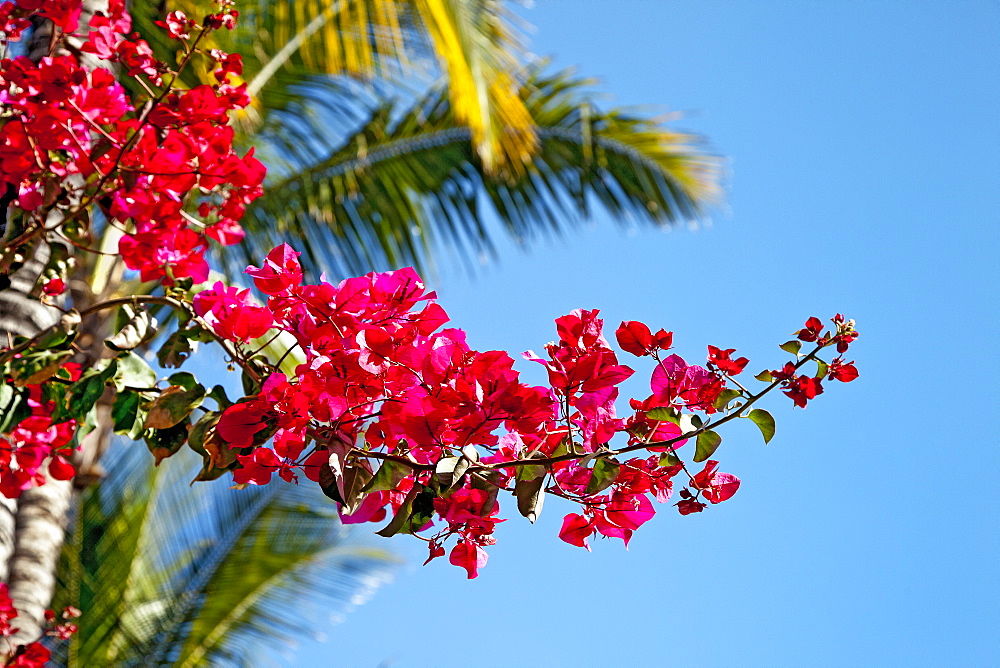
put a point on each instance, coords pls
(864, 153)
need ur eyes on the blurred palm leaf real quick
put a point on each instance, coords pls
(407, 180)
(167, 574)
(472, 42)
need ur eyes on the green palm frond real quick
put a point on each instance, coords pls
(168, 574)
(407, 181)
(473, 43)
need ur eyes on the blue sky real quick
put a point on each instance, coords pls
(863, 149)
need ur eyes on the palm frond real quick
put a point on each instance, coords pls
(167, 573)
(406, 180)
(472, 42)
(482, 55)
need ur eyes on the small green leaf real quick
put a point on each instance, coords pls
(128, 415)
(669, 458)
(395, 525)
(85, 392)
(416, 511)
(175, 350)
(196, 437)
(173, 405)
(725, 397)
(85, 426)
(764, 422)
(219, 394)
(38, 366)
(13, 407)
(793, 346)
(664, 414)
(133, 371)
(821, 368)
(138, 328)
(765, 376)
(530, 471)
(708, 442)
(184, 379)
(530, 496)
(62, 334)
(689, 422)
(164, 443)
(604, 473)
(388, 476)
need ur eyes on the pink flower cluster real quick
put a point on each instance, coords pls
(383, 381)
(75, 131)
(35, 654)
(25, 450)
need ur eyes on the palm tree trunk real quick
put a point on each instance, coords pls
(39, 521)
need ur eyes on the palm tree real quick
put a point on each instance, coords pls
(167, 574)
(370, 170)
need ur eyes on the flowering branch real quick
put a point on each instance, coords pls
(390, 413)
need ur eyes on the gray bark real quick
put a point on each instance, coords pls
(41, 512)
(19, 316)
(41, 523)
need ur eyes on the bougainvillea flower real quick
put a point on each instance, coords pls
(634, 337)
(232, 313)
(802, 389)
(240, 422)
(717, 487)
(688, 506)
(469, 556)
(845, 372)
(812, 330)
(576, 529)
(721, 359)
(280, 271)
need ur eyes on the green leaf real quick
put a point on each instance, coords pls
(792, 346)
(530, 496)
(13, 407)
(175, 350)
(689, 422)
(128, 414)
(184, 379)
(164, 443)
(449, 471)
(139, 328)
(395, 525)
(603, 474)
(85, 426)
(708, 442)
(416, 511)
(764, 422)
(405, 176)
(664, 414)
(356, 478)
(219, 394)
(725, 397)
(133, 371)
(84, 393)
(38, 366)
(530, 471)
(765, 376)
(821, 368)
(669, 458)
(196, 437)
(173, 405)
(62, 334)
(388, 476)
